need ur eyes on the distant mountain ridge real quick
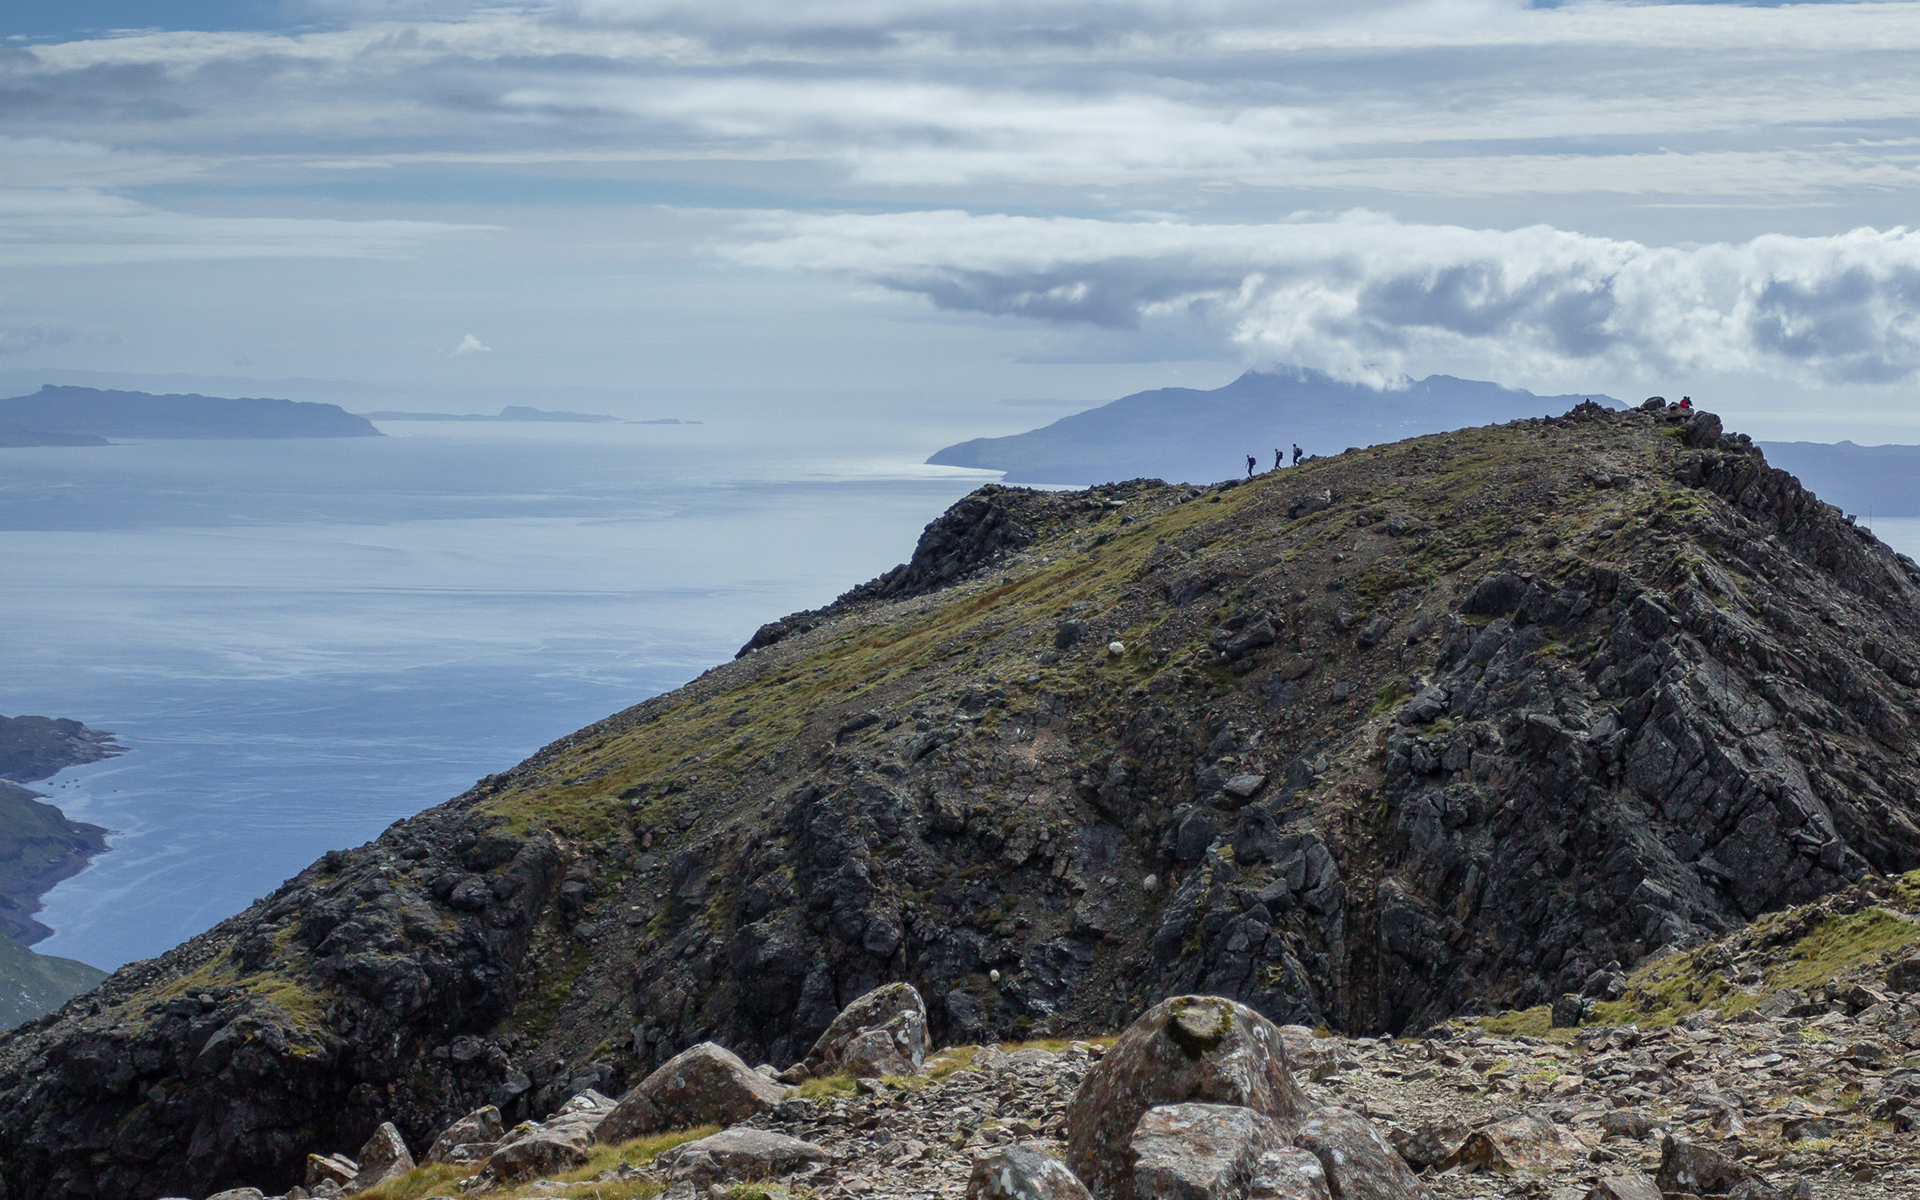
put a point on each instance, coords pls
(1189, 435)
(59, 415)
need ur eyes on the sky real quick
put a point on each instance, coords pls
(911, 207)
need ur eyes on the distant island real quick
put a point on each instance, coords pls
(520, 412)
(83, 416)
(1189, 435)
(39, 845)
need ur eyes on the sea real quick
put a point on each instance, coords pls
(301, 641)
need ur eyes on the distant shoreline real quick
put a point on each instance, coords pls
(39, 845)
(517, 412)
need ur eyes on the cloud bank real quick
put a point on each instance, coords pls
(1365, 297)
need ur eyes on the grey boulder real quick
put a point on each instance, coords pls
(337, 1169)
(706, 1084)
(882, 1033)
(1359, 1163)
(1188, 1049)
(1023, 1173)
(1200, 1151)
(481, 1127)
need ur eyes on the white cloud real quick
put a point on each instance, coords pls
(1364, 297)
(470, 345)
(76, 226)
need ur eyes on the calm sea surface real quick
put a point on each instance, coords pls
(304, 641)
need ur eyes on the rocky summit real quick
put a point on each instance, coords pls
(1493, 720)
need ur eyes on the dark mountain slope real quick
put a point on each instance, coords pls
(1188, 434)
(1426, 728)
(91, 414)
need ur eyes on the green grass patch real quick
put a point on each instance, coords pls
(826, 1087)
(1527, 1022)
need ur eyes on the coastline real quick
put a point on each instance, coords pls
(40, 845)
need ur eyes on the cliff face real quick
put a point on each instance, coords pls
(1445, 725)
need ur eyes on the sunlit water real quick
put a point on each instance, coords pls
(304, 641)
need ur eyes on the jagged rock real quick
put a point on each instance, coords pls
(705, 1085)
(1627, 1123)
(1523, 1143)
(1624, 1187)
(1687, 1166)
(1904, 976)
(383, 1157)
(896, 1012)
(479, 1128)
(1359, 1163)
(1199, 1151)
(1204, 1049)
(330, 1168)
(738, 1154)
(1022, 1173)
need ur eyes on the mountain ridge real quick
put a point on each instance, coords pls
(1202, 435)
(1415, 730)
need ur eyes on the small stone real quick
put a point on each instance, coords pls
(1149, 883)
(1243, 787)
(240, 1193)
(1687, 1166)
(479, 1127)
(1625, 1187)
(1116, 649)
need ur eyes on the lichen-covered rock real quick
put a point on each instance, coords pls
(1288, 1173)
(1359, 1163)
(896, 1013)
(1202, 1049)
(1522, 1143)
(1429, 1143)
(738, 1154)
(1200, 1151)
(705, 1085)
(1023, 1173)
(539, 1150)
(384, 1157)
(480, 1127)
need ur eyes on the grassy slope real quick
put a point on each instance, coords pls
(32, 984)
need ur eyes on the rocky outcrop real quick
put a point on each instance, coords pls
(1543, 703)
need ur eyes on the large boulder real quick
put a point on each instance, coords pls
(1189, 1049)
(1359, 1163)
(462, 1141)
(738, 1154)
(1200, 1151)
(707, 1084)
(882, 1033)
(1023, 1173)
(384, 1157)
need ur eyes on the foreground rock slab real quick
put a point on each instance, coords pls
(384, 1157)
(1200, 1151)
(1359, 1163)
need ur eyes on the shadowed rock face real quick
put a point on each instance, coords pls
(1522, 701)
